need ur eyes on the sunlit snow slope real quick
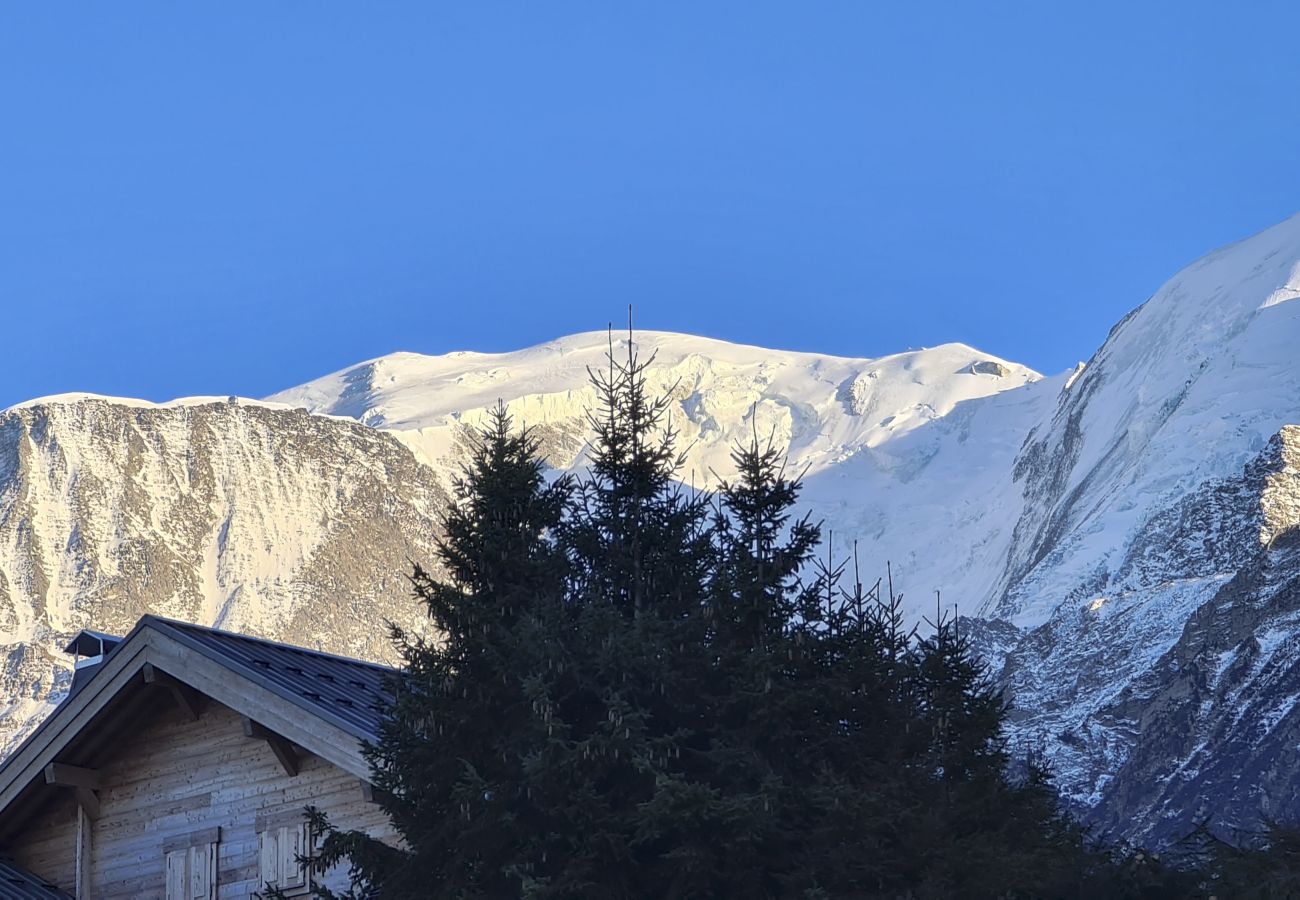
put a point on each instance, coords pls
(909, 454)
(1188, 387)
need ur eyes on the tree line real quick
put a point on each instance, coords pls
(641, 690)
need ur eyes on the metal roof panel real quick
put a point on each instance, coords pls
(351, 692)
(17, 883)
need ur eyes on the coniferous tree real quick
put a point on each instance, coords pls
(1261, 867)
(639, 553)
(457, 769)
(983, 833)
(645, 691)
(1259, 864)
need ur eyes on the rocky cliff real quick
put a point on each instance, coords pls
(230, 513)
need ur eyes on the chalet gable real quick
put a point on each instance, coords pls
(296, 700)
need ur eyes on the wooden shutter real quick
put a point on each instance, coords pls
(191, 866)
(279, 847)
(203, 872)
(176, 860)
(268, 859)
(293, 844)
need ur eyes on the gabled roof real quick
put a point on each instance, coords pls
(18, 884)
(328, 705)
(348, 692)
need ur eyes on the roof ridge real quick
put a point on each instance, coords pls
(281, 645)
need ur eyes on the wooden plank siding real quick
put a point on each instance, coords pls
(173, 777)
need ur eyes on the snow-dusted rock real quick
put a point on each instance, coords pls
(240, 515)
(989, 367)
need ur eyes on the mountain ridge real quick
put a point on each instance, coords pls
(1124, 532)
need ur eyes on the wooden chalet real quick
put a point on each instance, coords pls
(179, 766)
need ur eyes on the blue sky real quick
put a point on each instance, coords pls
(238, 197)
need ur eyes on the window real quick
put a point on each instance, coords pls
(191, 866)
(280, 845)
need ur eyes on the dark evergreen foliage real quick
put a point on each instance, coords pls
(1261, 866)
(463, 764)
(643, 691)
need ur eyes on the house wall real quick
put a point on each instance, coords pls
(175, 777)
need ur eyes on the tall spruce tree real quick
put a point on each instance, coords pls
(639, 552)
(980, 833)
(458, 766)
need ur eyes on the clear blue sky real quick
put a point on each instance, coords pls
(235, 197)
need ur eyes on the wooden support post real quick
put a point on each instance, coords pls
(87, 802)
(282, 749)
(186, 697)
(84, 825)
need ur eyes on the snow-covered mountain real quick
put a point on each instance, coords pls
(1124, 536)
(1153, 571)
(900, 453)
(228, 512)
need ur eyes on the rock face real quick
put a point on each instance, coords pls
(989, 367)
(1169, 700)
(263, 520)
(1158, 497)
(1123, 539)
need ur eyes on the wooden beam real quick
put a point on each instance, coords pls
(194, 839)
(83, 782)
(282, 749)
(319, 733)
(188, 699)
(372, 794)
(64, 775)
